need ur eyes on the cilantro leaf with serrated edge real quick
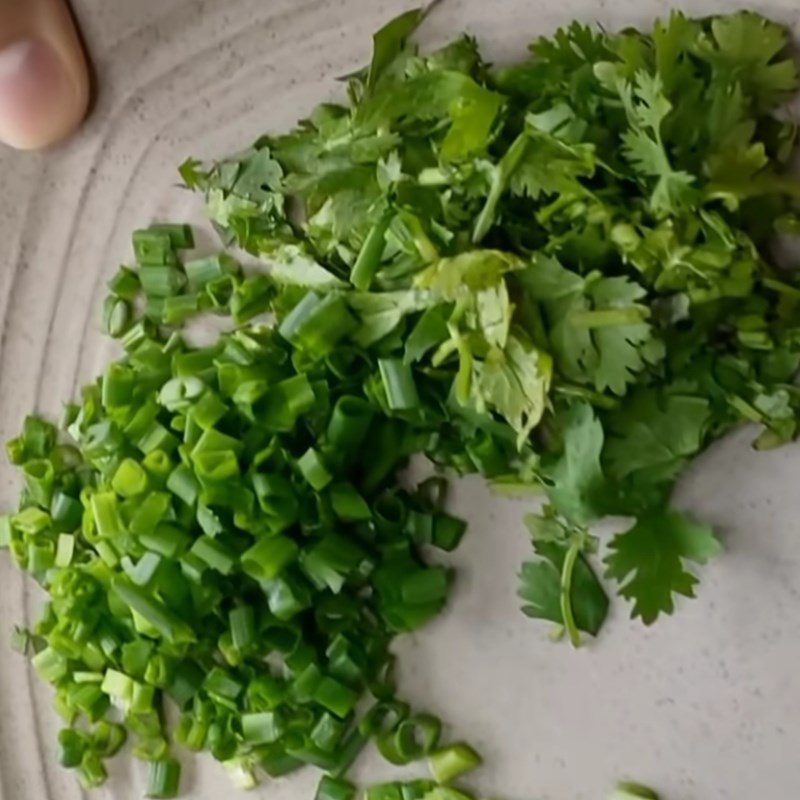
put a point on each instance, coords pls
(622, 336)
(746, 48)
(648, 560)
(599, 330)
(653, 434)
(244, 198)
(515, 381)
(646, 108)
(554, 159)
(575, 479)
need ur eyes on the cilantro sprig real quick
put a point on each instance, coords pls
(580, 241)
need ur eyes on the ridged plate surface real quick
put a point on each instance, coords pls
(706, 705)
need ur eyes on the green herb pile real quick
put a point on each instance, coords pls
(555, 274)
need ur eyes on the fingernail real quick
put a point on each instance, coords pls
(37, 96)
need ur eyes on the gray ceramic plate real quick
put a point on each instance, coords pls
(706, 705)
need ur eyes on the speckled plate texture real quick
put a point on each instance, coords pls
(705, 705)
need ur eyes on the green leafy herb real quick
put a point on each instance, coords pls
(649, 559)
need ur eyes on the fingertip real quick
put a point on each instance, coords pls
(44, 77)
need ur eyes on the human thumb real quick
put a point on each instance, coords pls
(44, 79)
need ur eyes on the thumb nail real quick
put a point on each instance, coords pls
(39, 99)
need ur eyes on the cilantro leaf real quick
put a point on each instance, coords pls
(646, 107)
(653, 433)
(599, 331)
(674, 40)
(475, 280)
(572, 47)
(745, 48)
(468, 272)
(627, 345)
(543, 582)
(244, 198)
(540, 590)
(576, 479)
(443, 95)
(515, 382)
(552, 166)
(389, 41)
(472, 117)
(648, 560)
(291, 266)
(429, 331)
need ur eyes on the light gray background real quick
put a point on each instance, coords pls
(704, 706)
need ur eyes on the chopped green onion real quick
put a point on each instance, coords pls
(116, 316)
(450, 762)
(124, 284)
(277, 499)
(317, 323)
(242, 625)
(215, 554)
(164, 780)
(183, 484)
(202, 271)
(153, 248)
(179, 308)
(50, 665)
(91, 771)
(448, 531)
(180, 235)
(334, 789)
(398, 382)
(267, 558)
(327, 733)
(251, 298)
(349, 422)
(390, 513)
(384, 791)
(71, 747)
(277, 762)
(219, 291)
(348, 504)
(65, 550)
(39, 480)
(156, 614)
(130, 479)
(160, 282)
(417, 736)
(105, 510)
(633, 791)
(369, 256)
(314, 470)
(335, 696)
(262, 728)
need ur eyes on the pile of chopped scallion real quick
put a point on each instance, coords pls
(556, 274)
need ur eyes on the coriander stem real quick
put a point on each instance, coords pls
(597, 399)
(505, 167)
(570, 559)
